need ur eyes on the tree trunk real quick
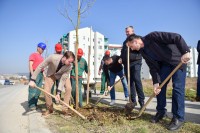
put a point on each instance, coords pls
(76, 61)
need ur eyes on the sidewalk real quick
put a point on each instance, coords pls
(36, 123)
(192, 109)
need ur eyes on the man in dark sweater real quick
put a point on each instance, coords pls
(116, 69)
(162, 52)
(135, 69)
(198, 79)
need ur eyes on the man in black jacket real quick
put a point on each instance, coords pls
(115, 69)
(135, 69)
(162, 52)
(198, 79)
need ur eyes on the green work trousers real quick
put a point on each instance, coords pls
(103, 82)
(33, 93)
(73, 83)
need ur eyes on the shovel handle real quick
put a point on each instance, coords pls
(83, 117)
(104, 94)
(160, 87)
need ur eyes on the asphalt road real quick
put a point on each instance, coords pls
(14, 114)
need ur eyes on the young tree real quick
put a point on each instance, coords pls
(82, 7)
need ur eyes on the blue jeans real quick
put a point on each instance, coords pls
(178, 92)
(198, 82)
(136, 83)
(112, 81)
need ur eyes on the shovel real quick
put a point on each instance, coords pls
(129, 106)
(106, 92)
(83, 117)
(153, 95)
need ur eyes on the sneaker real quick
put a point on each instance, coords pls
(126, 99)
(112, 102)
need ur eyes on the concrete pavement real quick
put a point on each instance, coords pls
(192, 109)
(14, 115)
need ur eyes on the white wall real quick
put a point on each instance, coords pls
(99, 52)
(145, 74)
(88, 37)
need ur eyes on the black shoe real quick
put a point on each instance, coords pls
(197, 98)
(175, 124)
(141, 105)
(158, 117)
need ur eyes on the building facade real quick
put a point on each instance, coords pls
(88, 39)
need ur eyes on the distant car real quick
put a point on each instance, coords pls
(12, 82)
(7, 82)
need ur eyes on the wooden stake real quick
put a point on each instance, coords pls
(128, 69)
(88, 77)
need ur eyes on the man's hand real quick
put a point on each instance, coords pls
(185, 58)
(109, 88)
(156, 89)
(32, 84)
(99, 72)
(120, 61)
(57, 97)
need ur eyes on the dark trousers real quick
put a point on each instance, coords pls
(178, 92)
(198, 81)
(136, 83)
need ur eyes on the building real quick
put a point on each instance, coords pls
(192, 66)
(87, 39)
(115, 49)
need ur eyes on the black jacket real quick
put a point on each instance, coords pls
(134, 56)
(163, 48)
(198, 49)
(114, 67)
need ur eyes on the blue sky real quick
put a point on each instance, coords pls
(24, 23)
